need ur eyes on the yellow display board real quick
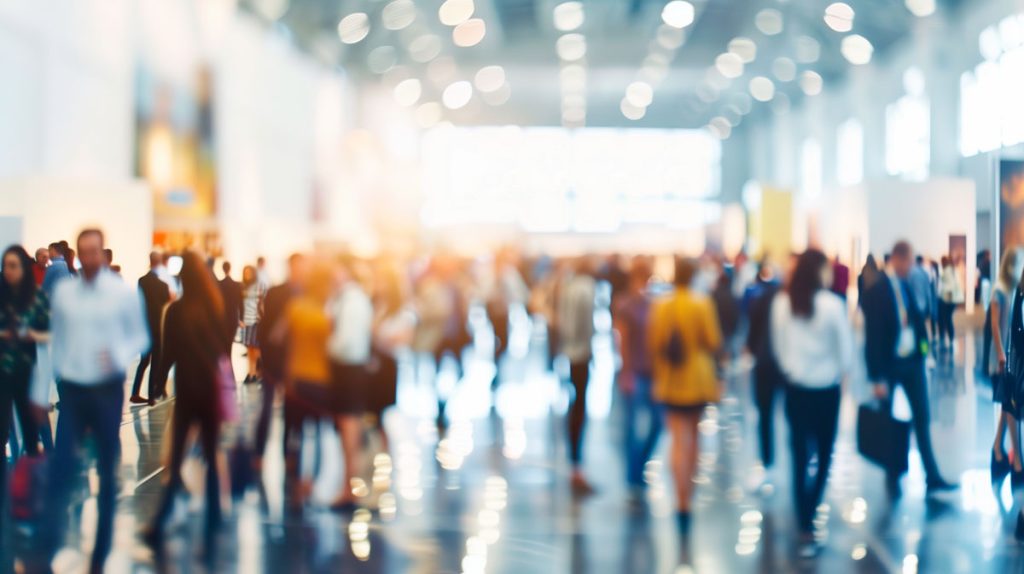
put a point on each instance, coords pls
(771, 224)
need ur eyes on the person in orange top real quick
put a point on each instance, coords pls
(684, 338)
(306, 328)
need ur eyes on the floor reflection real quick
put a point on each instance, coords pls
(491, 495)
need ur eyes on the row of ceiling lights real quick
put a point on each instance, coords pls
(426, 48)
(676, 16)
(839, 17)
(571, 48)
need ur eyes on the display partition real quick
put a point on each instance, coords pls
(871, 217)
(54, 209)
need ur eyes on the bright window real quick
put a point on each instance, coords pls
(908, 130)
(850, 152)
(810, 171)
(990, 112)
(555, 179)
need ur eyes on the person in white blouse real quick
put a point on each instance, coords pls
(349, 349)
(98, 328)
(813, 345)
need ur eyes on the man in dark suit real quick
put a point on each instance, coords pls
(157, 295)
(895, 347)
(272, 346)
(231, 291)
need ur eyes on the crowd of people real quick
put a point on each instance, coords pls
(328, 342)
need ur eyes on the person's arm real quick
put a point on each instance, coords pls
(625, 351)
(844, 340)
(997, 335)
(712, 329)
(133, 323)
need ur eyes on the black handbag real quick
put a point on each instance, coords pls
(882, 439)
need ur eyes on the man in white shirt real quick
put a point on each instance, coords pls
(98, 328)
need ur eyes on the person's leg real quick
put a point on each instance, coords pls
(579, 373)
(71, 428)
(629, 436)
(654, 418)
(209, 436)
(264, 416)
(105, 422)
(179, 434)
(157, 376)
(915, 385)
(798, 410)
(682, 426)
(764, 398)
(251, 356)
(350, 428)
(140, 372)
(6, 413)
(1012, 423)
(29, 428)
(826, 425)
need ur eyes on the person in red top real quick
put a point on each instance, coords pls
(39, 269)
(840, 278)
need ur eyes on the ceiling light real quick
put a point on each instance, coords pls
(569, 16)
(489, 78)
(839, 17)
(720, 128)
(631, 111)
(498, 97)
(381, 59)
(670, 38)
(455, 12)
(857, 49)
(457, 95)
(762, 89)
(745, 48)
(428, 114)
(678, 13)
(921, 8)
(354, 28)
(811, 83)
(808, 50)
(469, 33)
(574, 115)
(784, 69)
(425, 48)
(272, 10)
(408, 92)
(729, 65)
(769, 21)
(640, 94)
(399, 14)
(571, 47)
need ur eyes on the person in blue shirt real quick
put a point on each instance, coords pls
(57, 270)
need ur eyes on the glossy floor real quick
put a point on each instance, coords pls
(491, 495)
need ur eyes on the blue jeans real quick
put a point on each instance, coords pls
(85, 409)
(643, 427)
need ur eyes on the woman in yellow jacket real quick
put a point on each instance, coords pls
(684, 338)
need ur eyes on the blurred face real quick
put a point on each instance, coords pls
(42, 257)
(13, 271)
(298, 268)
(248, 274)
(901, 264)
(90, 254)
(53, 253)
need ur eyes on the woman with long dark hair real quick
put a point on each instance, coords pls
(813, 344)
(194, 342)
(24, 321)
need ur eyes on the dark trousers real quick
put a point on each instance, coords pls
(946, 331)
(14, 395)
(86, 409)
(813, 416)
(909, 373)
(579, 375)
(157, 383)
(303, 402)
(767, 385)
(209, 429)
(643, 428)
(269, 391)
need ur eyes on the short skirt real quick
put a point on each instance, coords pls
(250, 335)
(348, 388)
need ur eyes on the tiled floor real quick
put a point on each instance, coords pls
(491, 495)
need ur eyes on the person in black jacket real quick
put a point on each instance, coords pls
(768, 378)
(895, 348)
(273, 352)
(157, 295)
(231, 292)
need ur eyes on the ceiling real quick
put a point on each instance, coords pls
(521, 37)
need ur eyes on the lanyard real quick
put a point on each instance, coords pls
(901, 306)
